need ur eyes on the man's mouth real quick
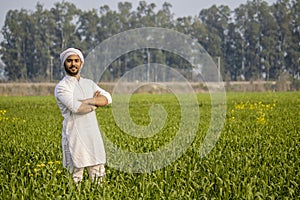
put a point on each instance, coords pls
(73, 67)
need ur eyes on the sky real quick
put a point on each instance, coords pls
(180, 8)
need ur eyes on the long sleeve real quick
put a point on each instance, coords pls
(103, 92)
(65, 96)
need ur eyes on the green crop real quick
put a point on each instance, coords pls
(256, 157)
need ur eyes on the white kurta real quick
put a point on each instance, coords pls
(80, 135)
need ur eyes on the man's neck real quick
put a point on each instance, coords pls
(75, 76)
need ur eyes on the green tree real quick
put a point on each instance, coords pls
(252, 41)
(234, 53)
(268, 42)
(145, 14)
(216, 20)
(108, 25)
(40, 69)
(283, 17)
(87, 29)
(15, 33)
(126, 17)
(165, 17)
(294, 48)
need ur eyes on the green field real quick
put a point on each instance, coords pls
(256, 157)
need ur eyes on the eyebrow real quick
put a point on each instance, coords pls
(70, 59)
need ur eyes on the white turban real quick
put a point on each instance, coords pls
(70, 51)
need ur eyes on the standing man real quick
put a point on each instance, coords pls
(77, 99)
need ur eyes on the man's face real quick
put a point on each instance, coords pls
(73, 65)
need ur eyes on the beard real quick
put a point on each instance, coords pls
(72, 72)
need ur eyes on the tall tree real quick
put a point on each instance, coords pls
(294, 51)
(14, 44)
(216, 20)
(283, 17)
(87, 29)
(108, 25)
(234, 53)
(268, 42)
(165, 17)
(40, 50)
(145, 14)
(126, 16)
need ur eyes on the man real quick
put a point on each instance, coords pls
(78, 98)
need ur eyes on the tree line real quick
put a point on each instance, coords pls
(255, 41)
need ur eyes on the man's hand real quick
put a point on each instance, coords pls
(96, 94)
(91, 104)
(86, 107)
(99, 100)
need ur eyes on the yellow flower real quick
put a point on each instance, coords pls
(2, 112)
(261, 120)
(58, 172)
(35, 170)
(31, 175)
(50, 163)
(57, 162)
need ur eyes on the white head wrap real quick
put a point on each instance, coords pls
(70, 51)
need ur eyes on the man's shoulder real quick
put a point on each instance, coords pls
(61, 83)
(87, 80)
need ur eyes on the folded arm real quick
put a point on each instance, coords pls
(91, 104)
(65, 96)
(86, 108)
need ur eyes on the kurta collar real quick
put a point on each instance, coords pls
(71, 78)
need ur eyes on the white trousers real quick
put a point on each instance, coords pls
(96, 172)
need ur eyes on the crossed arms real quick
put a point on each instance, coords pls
(91, 104)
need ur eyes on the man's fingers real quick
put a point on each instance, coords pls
(97, 93)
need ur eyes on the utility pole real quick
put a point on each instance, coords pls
(219, 68)
(51, 68)
(148, 65)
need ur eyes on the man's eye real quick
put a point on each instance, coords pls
(75, 60)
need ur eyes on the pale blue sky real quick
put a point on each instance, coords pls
(180, 7)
